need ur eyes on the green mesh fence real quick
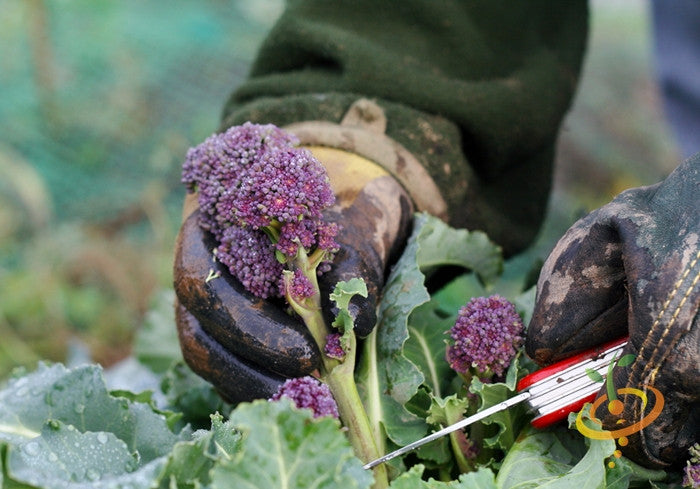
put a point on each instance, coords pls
(102, 98)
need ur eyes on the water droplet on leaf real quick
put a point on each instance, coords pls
(32, 448)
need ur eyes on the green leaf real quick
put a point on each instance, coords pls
(63, 457)
(426, 346)
(287, 447)
(387, 377)
(538, 457)
(448, 411)
(442, 245)
(480, 479)
(557, 458)
(190, 395)
(345, 291)
(626, 360)
(594, 375)
(3, 456)
(341, 295)
(626, 470)
(156, 344)
(509, 422)
(78, 397)
(444, 412)
(190, 462)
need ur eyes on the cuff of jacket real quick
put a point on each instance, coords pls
(423, 152)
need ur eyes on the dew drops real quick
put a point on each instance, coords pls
(32, 449)
(22, 391)
(53, 457)
(102, 437)
(92, 475)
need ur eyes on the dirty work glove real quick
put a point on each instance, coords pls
(247, 346)
(632, 268)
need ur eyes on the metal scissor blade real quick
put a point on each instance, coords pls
(502, 406)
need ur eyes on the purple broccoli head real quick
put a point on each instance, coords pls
(253, 181)
(308, 392)
(486, 337)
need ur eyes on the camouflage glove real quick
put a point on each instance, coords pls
(632, 268)
(247, 346)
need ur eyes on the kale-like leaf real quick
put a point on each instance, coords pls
(285, 447)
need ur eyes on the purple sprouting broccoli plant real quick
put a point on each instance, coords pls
(485, 338)
(308, 392)
(262, 197)
(691, 473)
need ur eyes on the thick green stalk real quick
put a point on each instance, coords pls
(341, 381)
(374, 390)
(338, 375)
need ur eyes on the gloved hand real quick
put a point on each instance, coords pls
(632, 268)
(247, 346)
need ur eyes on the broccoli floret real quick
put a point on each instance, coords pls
(486, 337)
(262, 197)
(250, 256)
(333, 348)
(307, 392)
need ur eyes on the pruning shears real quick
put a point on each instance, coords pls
(551, 393)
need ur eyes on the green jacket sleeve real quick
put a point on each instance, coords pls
(475, 90)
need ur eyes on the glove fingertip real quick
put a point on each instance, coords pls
(233, 378)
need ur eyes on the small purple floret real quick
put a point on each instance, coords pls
(486, 337)
(691, 473)
(308, 392)
(250, 256)
(300, 287)
(691, 476)
(333, 348)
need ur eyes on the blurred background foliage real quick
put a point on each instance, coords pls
(99, 101)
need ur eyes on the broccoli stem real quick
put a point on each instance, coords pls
(341, 381)
(338, 375)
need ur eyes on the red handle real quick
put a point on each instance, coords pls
(550, 418)
(554, 417)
